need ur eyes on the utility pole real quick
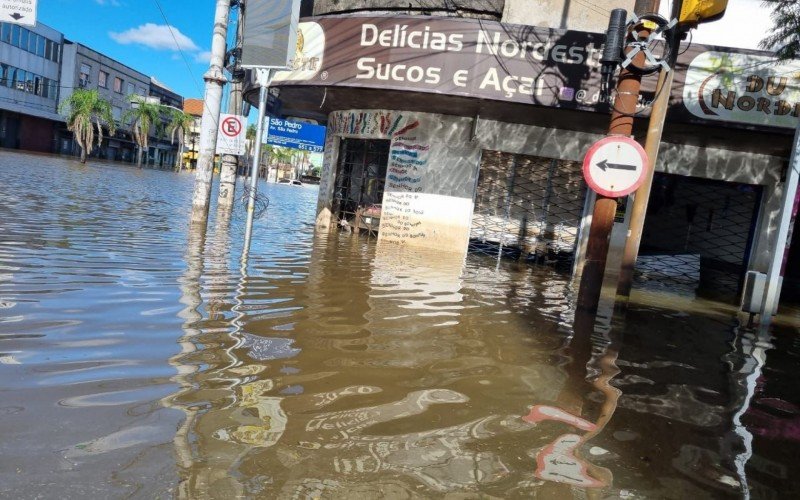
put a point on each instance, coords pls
(623, 110)
(230, 163)
(215, 80)
(655, 130)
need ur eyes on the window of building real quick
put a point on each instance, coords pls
(118, 85)
(23, 38)
(84, 78)
(15, 32)
(9, 82)
(37, 85)
(131, 88)
(102, 79)
(48, 49)
(116, 112)
(29, 83)
(142, 91)
(19, 80)
(56, 51)
(40, 44)
(46, 84)
(5, 34)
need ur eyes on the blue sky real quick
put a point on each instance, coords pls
(134, 32)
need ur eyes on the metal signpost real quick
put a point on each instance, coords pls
(615, 166)
(19, 11)
(297, 135)
(268, 44)
(231, 135)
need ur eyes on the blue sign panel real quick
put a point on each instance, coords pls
(297, 135)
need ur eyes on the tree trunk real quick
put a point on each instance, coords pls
(83, 155)
(139, 158)
(178, 156)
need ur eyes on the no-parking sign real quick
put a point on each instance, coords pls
(615, 166)
(231, 135)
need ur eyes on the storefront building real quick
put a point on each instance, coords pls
(456, 133)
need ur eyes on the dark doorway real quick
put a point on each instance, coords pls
(790, 292)
(360, 181)
(698, 235)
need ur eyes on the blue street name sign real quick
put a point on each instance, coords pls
(303, 136)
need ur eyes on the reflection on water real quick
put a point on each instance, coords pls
(140, 356)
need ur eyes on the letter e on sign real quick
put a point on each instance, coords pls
(615, 166)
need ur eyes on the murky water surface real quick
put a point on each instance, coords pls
(139, 358)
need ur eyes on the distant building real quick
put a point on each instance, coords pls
(85, 68)
(163, 152)
(39, 70)
(29, 86)
(191, 143)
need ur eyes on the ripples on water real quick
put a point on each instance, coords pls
(138, 358)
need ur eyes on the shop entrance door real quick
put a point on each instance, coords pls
(697, 236)
(527, 207)
(360, 181)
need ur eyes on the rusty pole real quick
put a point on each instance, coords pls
(628, 86)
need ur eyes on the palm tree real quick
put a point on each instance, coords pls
(85, 111)
(180, 124)
(142, 116)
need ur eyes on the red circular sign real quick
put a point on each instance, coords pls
(231, 126)
(615, 166)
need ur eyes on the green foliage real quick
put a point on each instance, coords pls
(142, 116)
(85, 113)
(785, 36)
(179, 125)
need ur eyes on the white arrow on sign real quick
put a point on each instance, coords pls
(615, 166)
(19, 11)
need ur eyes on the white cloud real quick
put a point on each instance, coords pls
(203, 57)
(113, 3)
(156, 36)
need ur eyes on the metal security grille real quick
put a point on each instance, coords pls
(360, 181)
(697, 235)
(527, 207)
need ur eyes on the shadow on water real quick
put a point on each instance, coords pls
(140, 357)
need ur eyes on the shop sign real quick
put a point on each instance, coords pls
(744, 88)
(297, 135)
(455, 57)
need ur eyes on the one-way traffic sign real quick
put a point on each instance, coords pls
(18, 11)
(615, 166)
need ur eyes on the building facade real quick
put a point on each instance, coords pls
(459, 129)
(163, 151)
(191, 141)
(85, 68)
(29, 86)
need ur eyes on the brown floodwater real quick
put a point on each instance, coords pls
(140, 358)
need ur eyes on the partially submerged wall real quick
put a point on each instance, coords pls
(434, 162)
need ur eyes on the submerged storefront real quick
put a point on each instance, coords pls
(458, 134)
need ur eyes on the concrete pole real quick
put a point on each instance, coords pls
(215, 80)
(778, 252)
(230, 163)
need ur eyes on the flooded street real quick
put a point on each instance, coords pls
(140, 358)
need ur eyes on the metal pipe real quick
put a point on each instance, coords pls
(251, 198)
